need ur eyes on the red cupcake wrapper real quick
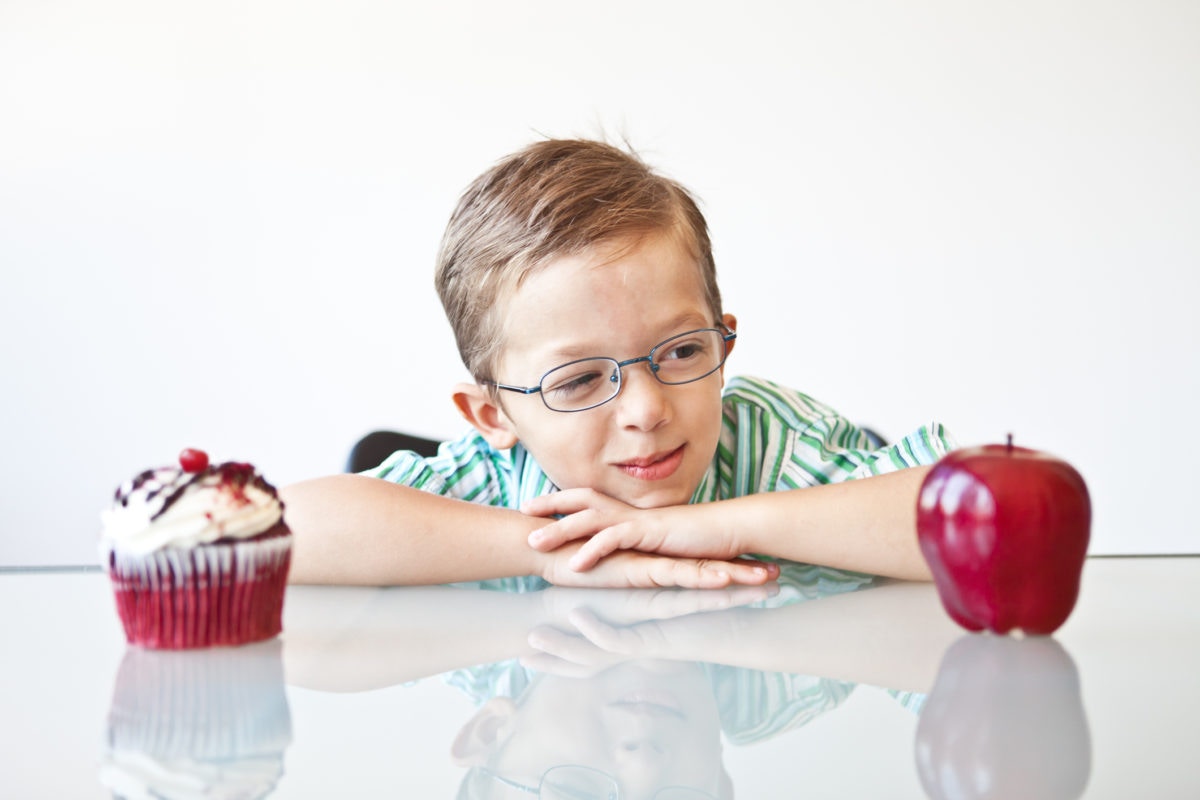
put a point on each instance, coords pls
(224, 593)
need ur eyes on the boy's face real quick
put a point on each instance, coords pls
(651, 445)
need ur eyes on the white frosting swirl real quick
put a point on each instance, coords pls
(168, 507)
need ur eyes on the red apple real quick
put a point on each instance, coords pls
(1005, 532)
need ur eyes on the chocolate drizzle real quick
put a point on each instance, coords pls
(233, 476)
(176, 493)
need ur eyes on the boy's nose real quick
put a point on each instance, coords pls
(642, 403)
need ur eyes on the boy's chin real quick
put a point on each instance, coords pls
(657, 498)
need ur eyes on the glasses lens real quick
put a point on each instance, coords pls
(577, 783)
(580, 384)
(689, 356)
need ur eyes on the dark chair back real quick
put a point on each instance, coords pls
(874, 438)
(372, 449)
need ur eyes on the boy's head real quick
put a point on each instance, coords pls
(553, 199)
(582, 284)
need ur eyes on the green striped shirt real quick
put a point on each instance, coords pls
(772, 439)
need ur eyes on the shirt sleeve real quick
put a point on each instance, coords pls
(469, 469)
(777, 439)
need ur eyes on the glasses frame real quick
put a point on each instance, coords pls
(727, 335)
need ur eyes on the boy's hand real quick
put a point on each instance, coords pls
(610, 525)
(628, 569)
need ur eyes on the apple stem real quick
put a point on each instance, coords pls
(1010, 444)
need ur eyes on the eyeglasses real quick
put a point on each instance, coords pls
(573, 782)
(590, 382)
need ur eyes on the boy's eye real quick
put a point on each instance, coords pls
(574, 382)
(678, 351)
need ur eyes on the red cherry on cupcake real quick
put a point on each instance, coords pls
(193, 460)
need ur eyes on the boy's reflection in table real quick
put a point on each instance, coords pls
(632, 693)
(632, 683)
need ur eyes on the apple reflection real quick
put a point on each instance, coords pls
(1005, 719)
(197, 723)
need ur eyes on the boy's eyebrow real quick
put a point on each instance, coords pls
(687, 321)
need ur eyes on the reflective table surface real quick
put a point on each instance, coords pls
(825, 686)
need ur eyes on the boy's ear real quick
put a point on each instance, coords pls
(730, 322)
(483, 733)
(485, 415)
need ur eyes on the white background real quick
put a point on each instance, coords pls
(218, 221)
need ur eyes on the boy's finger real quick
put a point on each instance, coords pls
(539, 506)
(771, 567)
(556, 534)
(553, 536)
(567, 501)
(610, 540)
(592, 551)
(718, 574)
(752, 573)
(689, 573)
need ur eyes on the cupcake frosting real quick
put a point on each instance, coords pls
(168, 507)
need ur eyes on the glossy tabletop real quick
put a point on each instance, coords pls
(821, 687)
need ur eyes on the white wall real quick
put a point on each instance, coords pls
(218, 220)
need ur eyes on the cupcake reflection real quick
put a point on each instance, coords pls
(200, 723)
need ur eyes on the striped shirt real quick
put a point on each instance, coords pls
(772, 439)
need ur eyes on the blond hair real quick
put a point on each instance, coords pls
(555, 198)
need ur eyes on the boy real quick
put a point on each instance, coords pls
(582, 292)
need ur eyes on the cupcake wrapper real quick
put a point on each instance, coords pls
(225, 593)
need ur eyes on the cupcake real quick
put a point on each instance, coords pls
(198, 555)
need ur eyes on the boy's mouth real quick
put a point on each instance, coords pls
(655, 467)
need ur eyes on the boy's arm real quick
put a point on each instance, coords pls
(865, 525)
(352, 529)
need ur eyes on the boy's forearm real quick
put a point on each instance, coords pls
(351, 529)
(866, 525)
